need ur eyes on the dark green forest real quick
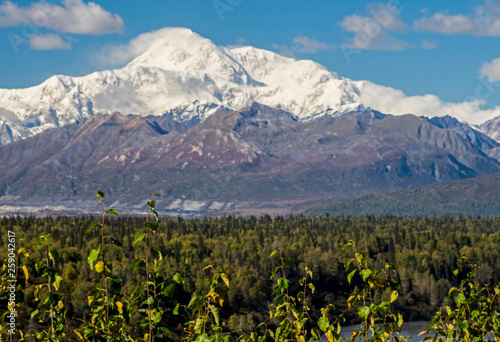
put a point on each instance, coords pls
(424, 251)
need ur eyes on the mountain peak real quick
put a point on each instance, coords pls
(181, 50)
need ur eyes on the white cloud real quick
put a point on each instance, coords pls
(425, 44)
(484, 22)
(239, 43)
(283, 50)
(491, 70)
(393, 101)
(48, 42)
(310, 45)
(73, 16)
(373, 32)
(117, 56)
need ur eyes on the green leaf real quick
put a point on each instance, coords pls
(286, 261)
(273, 273)
(375, 308)
(175, 311)
(152, 204)
(215, 313)
(323, 324)
(363, 312)
(273, 253)
(219, 337)
(179, 278)
(157, 317)
(463, 325)
(155, 253)
(137, 263)
(100, 194)
(149, 301)
(93, 257)
(92, 225)
(203, 337)
(348, 244)
(196, 303)
(140, 238)
(282, 284)
(165, 330)
(365, 274)
(34, 313)
(459, 298)
(112, 211)
(155, 213)
(54, 256)
(350, 275)
(152, 225)
(169, 291)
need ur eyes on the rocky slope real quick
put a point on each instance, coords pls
(252, 158)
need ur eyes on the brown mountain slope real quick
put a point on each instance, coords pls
(255, 157)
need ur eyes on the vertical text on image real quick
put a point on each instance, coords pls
(12, 279)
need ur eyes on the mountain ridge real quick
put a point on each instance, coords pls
(255, 158)
(188, 77)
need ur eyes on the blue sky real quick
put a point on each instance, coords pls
(447, 48)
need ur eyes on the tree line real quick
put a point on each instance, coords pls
(193, 253)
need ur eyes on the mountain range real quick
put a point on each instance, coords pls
(255, 158)
(215, 129)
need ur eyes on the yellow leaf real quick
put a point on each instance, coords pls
(225, 279)
(394, 296)
(99, 267)
(350, 300)
(26, 274)
(60, 305)
(329, 336)
(119, 306)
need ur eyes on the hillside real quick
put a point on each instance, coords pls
(478, 196)
(255, 158)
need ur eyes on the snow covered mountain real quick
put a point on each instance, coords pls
(188, 77)
(183, 74)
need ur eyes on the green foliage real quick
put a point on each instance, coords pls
(205, 323)
(108, 316)
(129, 278)
(291, 312)
(379, 323)
(474, 316)
(51, 305)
